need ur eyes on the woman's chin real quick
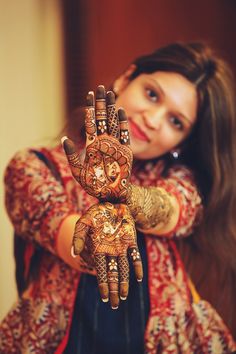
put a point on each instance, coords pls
(143, 154)
(140, 155)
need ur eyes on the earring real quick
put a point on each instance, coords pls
(175, 154)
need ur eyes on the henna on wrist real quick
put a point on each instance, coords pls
(149, 206)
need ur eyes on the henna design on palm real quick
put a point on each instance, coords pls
(109, 232)
(106, 169)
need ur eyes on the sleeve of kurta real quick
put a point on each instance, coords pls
(36, 201)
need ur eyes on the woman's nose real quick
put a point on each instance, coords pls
(153, 119)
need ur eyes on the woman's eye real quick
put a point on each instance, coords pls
(152, 95)
(176, 122)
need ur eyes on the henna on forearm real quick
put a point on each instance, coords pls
(149, 206)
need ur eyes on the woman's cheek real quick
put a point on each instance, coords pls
(136, 102)
(167, 139)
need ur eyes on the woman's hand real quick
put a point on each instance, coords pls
(106, 169)
(108, 231)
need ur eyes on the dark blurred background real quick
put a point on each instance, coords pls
(103, 37)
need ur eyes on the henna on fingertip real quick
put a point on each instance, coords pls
(101, 110)
(124, 127)
(80, 233)
(90, 125)
(112, 117)
(74, 159)
(123, 265)
(137, 262)
(90, 101)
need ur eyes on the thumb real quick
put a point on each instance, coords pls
(80, 233)
(72, 156)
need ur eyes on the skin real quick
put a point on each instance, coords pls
(161, 109)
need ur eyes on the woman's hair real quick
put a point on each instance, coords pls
(210, 151)
(211, 148)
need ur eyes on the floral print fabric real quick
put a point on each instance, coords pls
(37, 202)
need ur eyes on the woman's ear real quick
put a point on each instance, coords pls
(123, 80)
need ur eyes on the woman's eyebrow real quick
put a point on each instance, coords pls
(160, 89)
(184, 117)
(155, 83)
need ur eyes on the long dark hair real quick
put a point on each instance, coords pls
(210, 150)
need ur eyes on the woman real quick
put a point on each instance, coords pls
(179, 103)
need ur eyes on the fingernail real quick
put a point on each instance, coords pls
(63, 139)
(114, 308)
(111, 98)
(122, 114)
(68, 146)
(100, 92)
(72, 252)
(123, 297)
(139, 280)
(90, 98)
(105, 300)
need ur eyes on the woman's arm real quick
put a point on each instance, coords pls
(106, 169)
(170, 208)
(153, 208)
(39, 207)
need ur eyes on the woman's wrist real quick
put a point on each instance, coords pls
(150, 206)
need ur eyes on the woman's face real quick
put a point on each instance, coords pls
(161, 109)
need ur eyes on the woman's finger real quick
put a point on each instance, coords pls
(124, 127)
(87, 257)
(137, 263)
(101, 267)
(101, 110)
(80, 233)
(112, 277)
(123, 266)
(90, 121)
(72, 157)
(112, 118)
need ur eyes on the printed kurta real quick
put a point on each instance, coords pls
(38, 202)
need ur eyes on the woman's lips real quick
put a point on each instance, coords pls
(137, 132)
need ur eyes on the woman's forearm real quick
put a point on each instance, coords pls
(154, 209)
